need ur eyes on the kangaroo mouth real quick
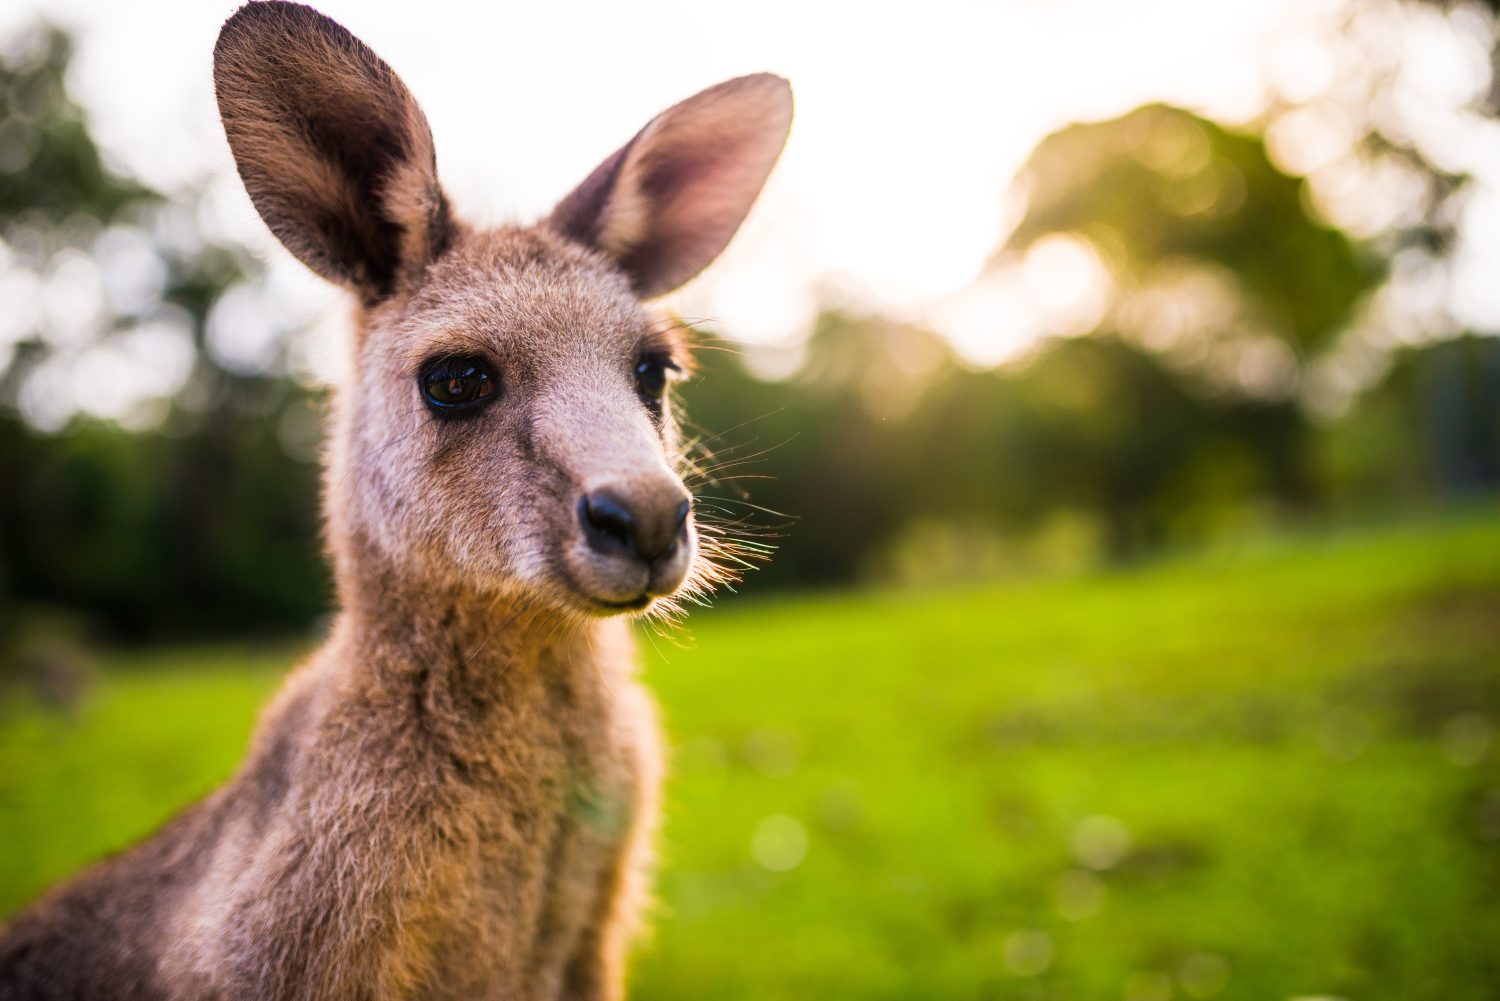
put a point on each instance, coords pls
(633, 605)
(605, 587)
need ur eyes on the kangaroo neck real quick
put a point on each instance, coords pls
(448, 649)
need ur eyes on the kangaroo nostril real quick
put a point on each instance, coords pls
(607, 522)
(650, 530)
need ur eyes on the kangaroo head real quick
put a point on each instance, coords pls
(507, 424)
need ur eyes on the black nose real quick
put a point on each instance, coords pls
(615, 527)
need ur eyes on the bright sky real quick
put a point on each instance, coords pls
(911, 121)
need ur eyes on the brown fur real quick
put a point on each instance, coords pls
(453, 798)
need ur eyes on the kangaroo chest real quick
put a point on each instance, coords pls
(541, 822)
(428, 852)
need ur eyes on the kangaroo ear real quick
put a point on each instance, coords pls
(667, 203)
(333, 149)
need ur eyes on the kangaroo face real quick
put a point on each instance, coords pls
(508, 424)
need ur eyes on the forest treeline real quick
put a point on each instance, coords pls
(1191, 402)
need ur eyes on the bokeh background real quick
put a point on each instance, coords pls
(1118, 384)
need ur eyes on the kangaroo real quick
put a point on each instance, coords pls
(453, 797)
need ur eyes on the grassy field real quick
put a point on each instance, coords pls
(1260, 774)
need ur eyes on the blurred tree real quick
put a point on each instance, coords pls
(204, 523)
(49, 165)
(825, 457)
(883, 428)
(1092, 424)
(1387, 138)
(1162, 187)
(1430, 428)
(1213, 262)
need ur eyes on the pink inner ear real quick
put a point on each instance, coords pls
(689, 178)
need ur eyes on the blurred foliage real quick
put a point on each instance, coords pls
(155, 534)
(1161, 186)
(1445, 187)
(51, 168)
(1214, 265)
(203, 522)
(882, 455)
(1440, 408)
(841, 460)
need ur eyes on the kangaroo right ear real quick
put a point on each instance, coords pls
(332, 147)
(664, 206)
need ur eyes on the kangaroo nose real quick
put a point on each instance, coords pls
(613, 526)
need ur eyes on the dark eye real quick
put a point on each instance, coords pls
(457, 383)
(651, 377)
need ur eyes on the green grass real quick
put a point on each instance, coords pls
(1287, 746)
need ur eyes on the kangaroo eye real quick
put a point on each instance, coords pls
(458, 383)
(651, 376)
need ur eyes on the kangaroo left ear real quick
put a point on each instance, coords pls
(332, 147)
(666, 204)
